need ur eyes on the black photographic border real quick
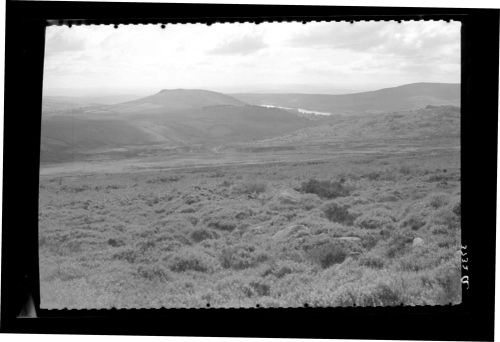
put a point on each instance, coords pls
(471, 320)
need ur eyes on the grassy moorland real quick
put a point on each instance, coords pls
(354, 229)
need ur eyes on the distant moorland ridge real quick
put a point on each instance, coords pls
(183, 117)
(405, 97)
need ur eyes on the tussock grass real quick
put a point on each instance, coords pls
(339, 213)
(154, 272)
(250, 188)
(372, 261)
(190, 259)
(282, 268)
(242, 256)
(243, 236)
(325, 189)
(378, 218)
(203, 234)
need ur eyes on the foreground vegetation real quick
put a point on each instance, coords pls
(353, 230)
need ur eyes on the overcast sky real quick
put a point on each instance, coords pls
(272, 57)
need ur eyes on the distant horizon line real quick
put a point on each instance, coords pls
(149, 93)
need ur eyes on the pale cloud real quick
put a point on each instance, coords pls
(60, 42)
(249, 57)
(342, 35)
(420, 39)
(241, 46)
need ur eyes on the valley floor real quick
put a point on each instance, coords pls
(352, 229)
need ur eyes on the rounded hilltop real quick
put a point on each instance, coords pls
(185, 90)
(181, 99)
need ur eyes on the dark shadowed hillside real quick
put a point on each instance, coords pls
(225, 124)
(406, 97)
(205, 118)
(63, 137)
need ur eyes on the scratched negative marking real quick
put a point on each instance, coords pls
(283, 164)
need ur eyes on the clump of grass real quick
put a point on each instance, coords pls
(329, 255)
(439, 178)
(438, 200)
(420, 259)
(378, 294)
(115, 242)
(75, 189)
(153, 272)
(259, 288)
(384, 295)
(226, 219)
(291, 201)
(203, 234)
(292, 232)
(337, 212)
(282, 268)
(191, 199)
(374, 175)
(439, 230)
(435, 209)
(216, 174)
(167, 179)
(370, 240)
(376, 218)
(42, 241)
(414, 221)
(144, 245)
(221, 223)
(382, 175)
(399, 244)
(193, 220)
(173, 178)
(226, 183)
(449, 278)
(189, 259)
(128, 254)
(112, 187)
(250, 188)
(242, 256)
(325, 252)
(66, 272)
(445, 217)
(187, 210)
(325, 188)
(372, 261)
(405, 170)
(456, 207)
(243, 288)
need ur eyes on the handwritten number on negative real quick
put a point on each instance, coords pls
(465, 267)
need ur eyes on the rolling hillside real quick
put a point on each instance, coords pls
(63, 138)
(172, 118)
(225, 124)
(429, 123)
(176, 118)
(406, 97)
